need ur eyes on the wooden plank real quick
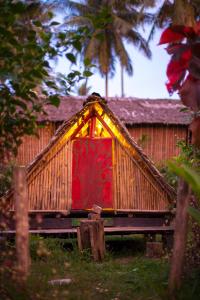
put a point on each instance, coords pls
(155, 229)
(138, 221)
(51, 223)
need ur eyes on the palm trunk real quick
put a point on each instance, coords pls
(106, 84)
(122, 81)
(183, 13)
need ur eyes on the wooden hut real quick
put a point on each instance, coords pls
(155, 124)
(92, 159)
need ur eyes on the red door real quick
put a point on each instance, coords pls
(92, 173)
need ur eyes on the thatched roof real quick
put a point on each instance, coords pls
(129, 110)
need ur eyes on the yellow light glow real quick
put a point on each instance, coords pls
(114, 129)
(71, 130)
(100, 130)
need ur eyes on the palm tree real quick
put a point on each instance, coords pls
(83, 89)
(110, 24)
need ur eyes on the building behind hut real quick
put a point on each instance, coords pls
(156, 125)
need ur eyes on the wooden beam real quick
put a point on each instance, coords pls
(92, 127)
(104, 124)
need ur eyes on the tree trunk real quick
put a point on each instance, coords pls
(106, 84)
(22, 224)
(122, 81)
(180, 237)
(183, 13)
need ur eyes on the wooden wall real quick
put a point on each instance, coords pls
(134, 187)
(32, 145)
(159, 142)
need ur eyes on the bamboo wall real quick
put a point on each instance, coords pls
(159, 142)
(32, 145)
(49, 185)
(134, 187)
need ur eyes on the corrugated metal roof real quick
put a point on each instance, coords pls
(129, 110)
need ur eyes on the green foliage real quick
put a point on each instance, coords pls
(186, 153)
(186, 166)
(193, 179)
(5, 178)
(108, 24)
(29, 42)
(43, 248)
(125, 274)
(194, 213)
(170, 177)
(188, 174)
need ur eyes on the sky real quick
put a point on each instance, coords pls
(149, 76)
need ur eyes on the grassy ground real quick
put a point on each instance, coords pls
(125, 274)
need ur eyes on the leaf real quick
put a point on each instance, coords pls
(188, 174)
(176, 34)
(54, 100)
(195, 213)
(51, 84)
(37, 23)
(87, 61)
(87, 73)
(54, 23)
(177, 67)
(173, 48)
(77, 45)
(71, 57)
(169, 36)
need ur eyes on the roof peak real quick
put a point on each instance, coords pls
(94, 97)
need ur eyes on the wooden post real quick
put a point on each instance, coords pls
(180, 237)
(22, 224)
(91, 236)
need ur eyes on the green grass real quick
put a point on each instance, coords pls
(124, 274)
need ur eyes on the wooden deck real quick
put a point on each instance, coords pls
(107, 230)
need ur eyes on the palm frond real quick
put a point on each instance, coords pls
(77, 21)
(162, 18)
(122, 53)
(138, 41)
(120, 25)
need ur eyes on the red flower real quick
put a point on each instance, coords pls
(184, 48)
